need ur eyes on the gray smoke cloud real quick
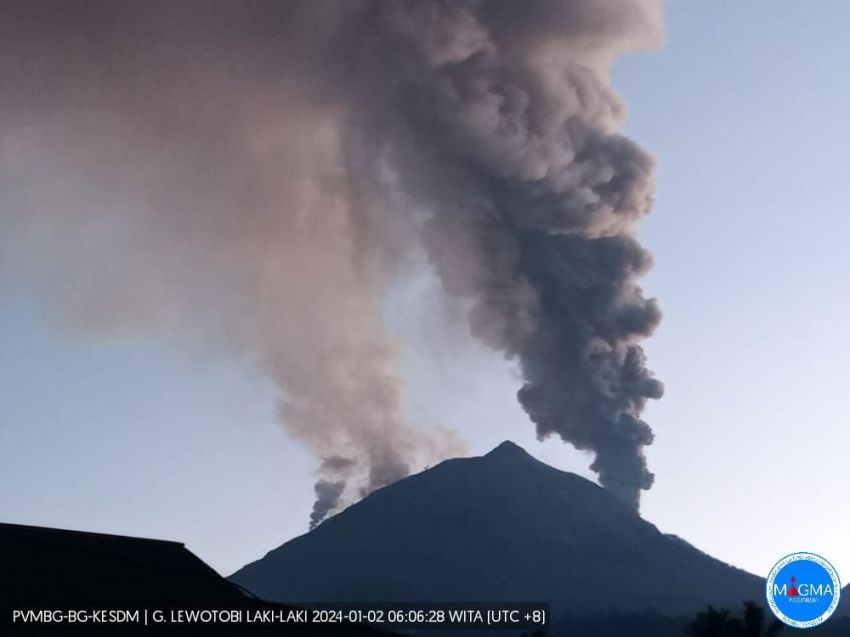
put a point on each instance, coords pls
(250, 176)
(499, 119)
(328, 495)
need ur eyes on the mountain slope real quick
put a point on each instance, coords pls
(501, 527)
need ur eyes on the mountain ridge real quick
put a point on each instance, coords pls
(499, 527)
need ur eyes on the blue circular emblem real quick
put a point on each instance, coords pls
(803, 590)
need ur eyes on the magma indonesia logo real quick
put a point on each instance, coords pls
(803, 590)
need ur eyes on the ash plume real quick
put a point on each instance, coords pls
(249, 176)
(328, 496)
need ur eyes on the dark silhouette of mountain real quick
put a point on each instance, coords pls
(843, 609)
(501, 527)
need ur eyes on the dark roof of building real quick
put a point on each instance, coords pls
(44, 568)
(60, 566)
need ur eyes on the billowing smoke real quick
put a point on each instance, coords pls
(499, 120)
(248, 177)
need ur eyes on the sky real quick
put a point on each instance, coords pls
(744, 110)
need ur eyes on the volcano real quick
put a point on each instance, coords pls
(500, 527)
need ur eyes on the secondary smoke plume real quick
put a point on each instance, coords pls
(249, 175)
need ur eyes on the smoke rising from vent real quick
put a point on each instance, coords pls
(248, 176)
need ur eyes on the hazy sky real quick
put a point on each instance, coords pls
(745, 111)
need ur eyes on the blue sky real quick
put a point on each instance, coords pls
(745, 111)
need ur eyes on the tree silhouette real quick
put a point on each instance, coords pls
(719, 623)
(711, 623)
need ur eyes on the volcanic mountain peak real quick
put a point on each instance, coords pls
(510, 452)
(508, 449)
(499, 527)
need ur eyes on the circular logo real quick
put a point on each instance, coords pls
(803, 590)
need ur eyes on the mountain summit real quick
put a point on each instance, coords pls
(509, 449)
(500, 527)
